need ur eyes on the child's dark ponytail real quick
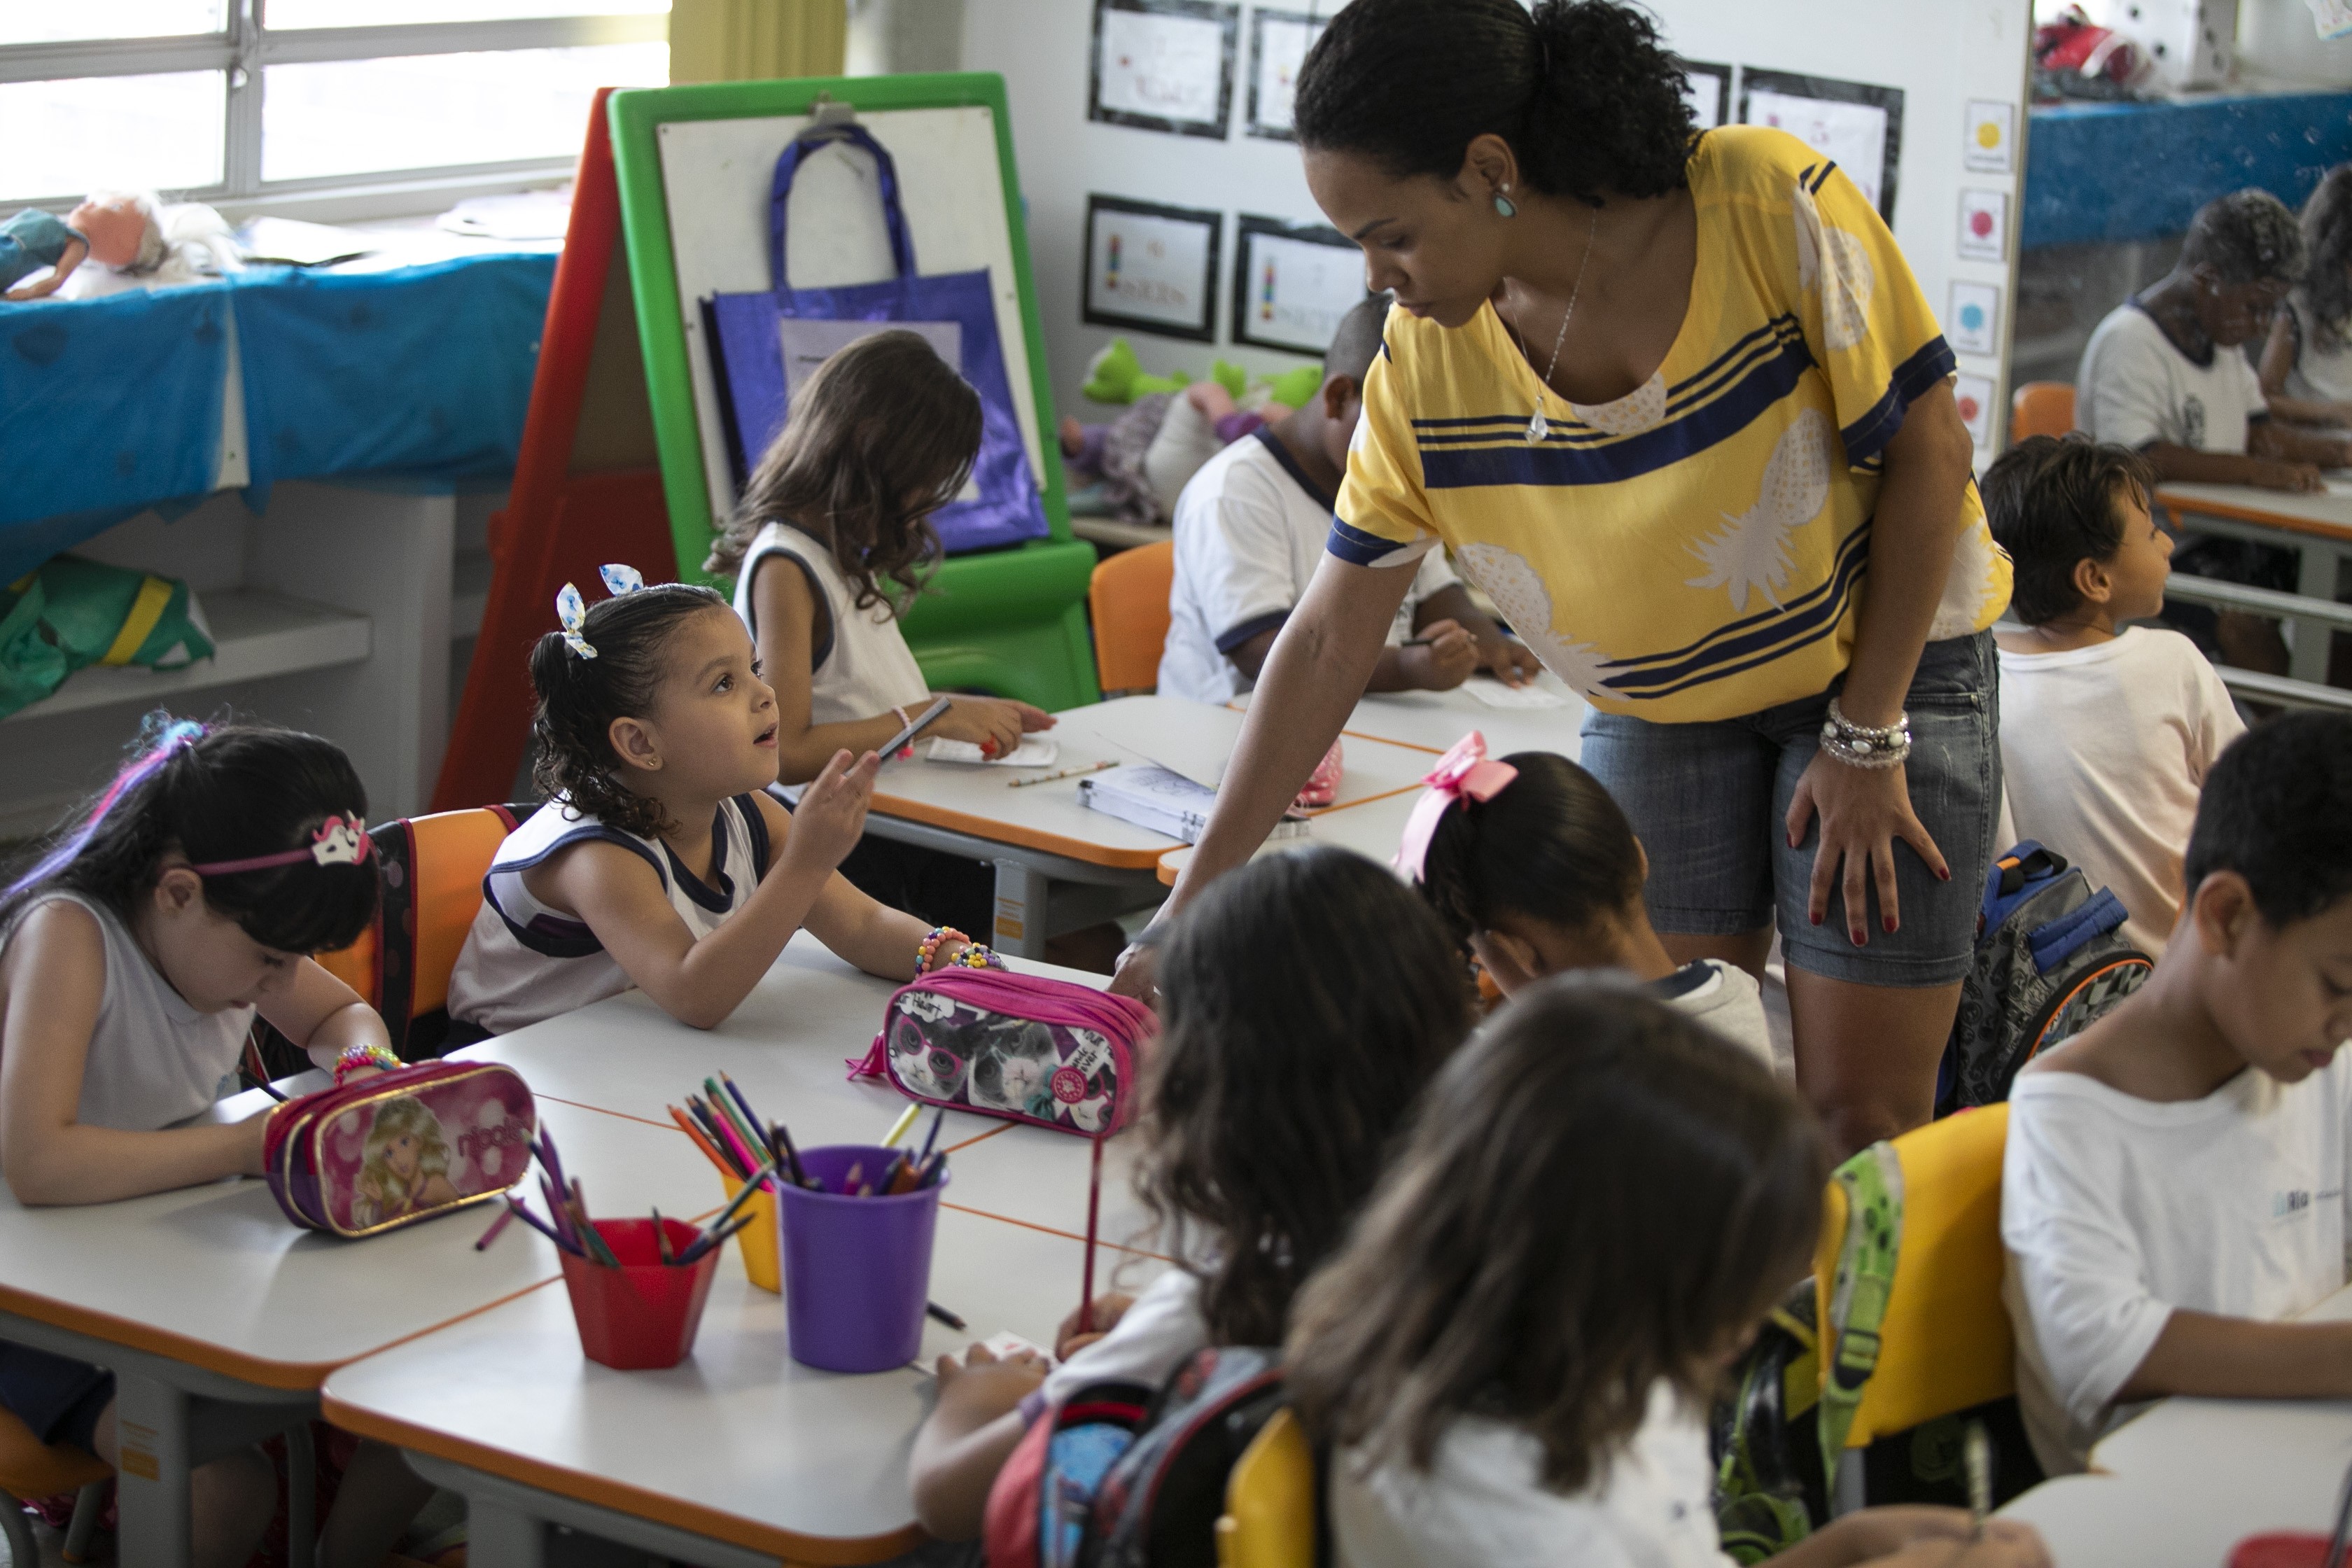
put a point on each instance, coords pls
(1552, 843)
(229, 792)
(578, 697)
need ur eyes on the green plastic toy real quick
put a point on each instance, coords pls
(1117, 377)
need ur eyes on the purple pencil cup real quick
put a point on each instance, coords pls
(856, 1270)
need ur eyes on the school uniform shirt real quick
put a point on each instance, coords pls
(522, 961)
(1723, 996)
(1250, 527)
(2135, 389)
(2116, 1210)
(1482, 1505)
(861, 667)
(2322, 371)
(2103, 751)
(154, 1059)
(1696, 548)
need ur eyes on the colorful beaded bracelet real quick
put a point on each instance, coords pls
(355, 1057)
(932, 941)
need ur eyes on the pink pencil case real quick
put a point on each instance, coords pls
(399, 1147)
(1021, 1046)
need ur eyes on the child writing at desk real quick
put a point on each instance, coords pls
(134, 953)
(831, 540)
(2175, 1185)
(1306, 1000)
(1535, 870)
(1511, 1359)
(659, 861)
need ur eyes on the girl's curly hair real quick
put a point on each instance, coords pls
(2326, 293)
(580, 698)
(1583, 91)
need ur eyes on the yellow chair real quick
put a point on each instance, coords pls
(1269, 1518)
(31, 1468)
(2040, 408)
(1944, 1344)
(1127, 598)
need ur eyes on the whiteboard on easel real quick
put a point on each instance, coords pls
(716, 176)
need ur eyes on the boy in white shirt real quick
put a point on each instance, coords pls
(2164, 374)
(2107, 731)
(2175, 1187)
(1251, 528)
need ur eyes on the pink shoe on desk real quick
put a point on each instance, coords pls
(1323, 784)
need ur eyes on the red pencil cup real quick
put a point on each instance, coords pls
(2280, 1549)
(644, 1313)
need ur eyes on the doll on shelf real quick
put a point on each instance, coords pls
(124, 232)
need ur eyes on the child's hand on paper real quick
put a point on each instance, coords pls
(1512, 663)
(1110, 1308)
(1445, 662)
(1014, 1373)
(832, 814)
(994, 726)
(2277, 474)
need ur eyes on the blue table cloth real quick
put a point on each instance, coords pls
(112, 404)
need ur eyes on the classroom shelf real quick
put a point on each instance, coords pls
(255, 635)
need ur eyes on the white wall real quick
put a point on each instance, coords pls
(1940, 54)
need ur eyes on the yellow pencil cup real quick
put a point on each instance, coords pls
(757, 1240)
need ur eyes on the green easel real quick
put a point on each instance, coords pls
(1011, 622)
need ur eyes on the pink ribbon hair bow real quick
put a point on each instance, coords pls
(1465, 773)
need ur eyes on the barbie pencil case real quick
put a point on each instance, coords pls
(398, 1147)
(1021, 1046)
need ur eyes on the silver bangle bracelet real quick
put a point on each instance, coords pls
(1863, 746)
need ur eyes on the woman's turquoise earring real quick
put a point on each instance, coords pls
(1505, 205)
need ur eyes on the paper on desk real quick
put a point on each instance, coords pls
(1194, 739)
(1495, 694)
(1034, 751)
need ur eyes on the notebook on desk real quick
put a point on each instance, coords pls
(1164, 801)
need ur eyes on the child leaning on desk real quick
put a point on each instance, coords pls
(134, 952)
(658, 860)
(830, 540)
(1511, 1359)
(1304, 1000)
(2175, 1187)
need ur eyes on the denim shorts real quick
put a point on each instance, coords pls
(1708, 800)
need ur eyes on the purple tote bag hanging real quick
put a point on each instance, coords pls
(765, 344)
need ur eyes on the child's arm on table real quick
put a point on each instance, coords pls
(2279, 354)
(2189, 466)
(2291, 443)
(969, 1434)
(1513, 663)
(699, 983)
(1917, 1537)
(786, 613)
(52, 982)
(324, 1017)
(2240, 1358)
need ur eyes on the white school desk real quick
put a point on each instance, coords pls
(2317, 527)
(2189, 1478)
(1042, 840)
(220, 1319)
(1429, 723)
(739, 1455)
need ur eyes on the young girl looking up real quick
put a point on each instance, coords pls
(657, 861)
(830, 540)
(134, 952)
(1511, 1359)
(1534, 869)
(1305, 1001)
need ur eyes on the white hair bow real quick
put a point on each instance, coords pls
(571, 610)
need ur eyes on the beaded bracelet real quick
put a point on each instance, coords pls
(975, 955)
(932, 941)
(1862, 746)
(355, 1058)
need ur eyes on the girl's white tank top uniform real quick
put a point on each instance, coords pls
(2321, 373)
(523, 961)
(154, 1059)
(862, 667)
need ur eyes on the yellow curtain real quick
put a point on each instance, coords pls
(751, 41)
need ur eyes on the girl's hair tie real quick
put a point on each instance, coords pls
(1465, 773)
(339, 841)
(571, 610)
(174, 738)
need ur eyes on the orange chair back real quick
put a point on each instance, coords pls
(2040, 408)
(1128, 601)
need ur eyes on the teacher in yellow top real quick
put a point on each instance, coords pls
(1675, 402)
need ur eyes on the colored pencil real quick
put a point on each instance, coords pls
(747, 1130)
(752, 1122)
(743, 1194)
(783, 1140)
(709, 1150)
(930, 1139)
(1062, 774)
(701, 1110)
(898, 1128)
(1094, 1211)
(736, 1143)
(548, 1157)
(514, 1206)
(709, 1239)
(505, 1218)
(944, 1316)
(661, 1238)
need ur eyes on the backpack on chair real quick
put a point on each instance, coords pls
(2049, 960)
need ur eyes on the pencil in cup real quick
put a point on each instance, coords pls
(642, 1313)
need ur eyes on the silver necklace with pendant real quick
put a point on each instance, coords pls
(1538, 427)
